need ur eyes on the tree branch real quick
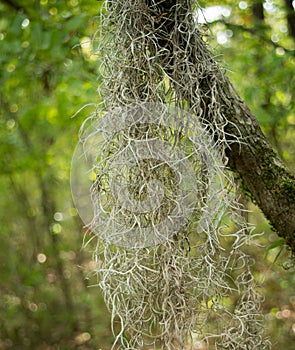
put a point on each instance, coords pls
(13, 5)
(257, 10)
(290, 17)
(264, 176)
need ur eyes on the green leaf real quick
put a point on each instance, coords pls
(74, 23)
(279, 243)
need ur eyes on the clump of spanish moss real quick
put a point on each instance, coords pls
(171, 235)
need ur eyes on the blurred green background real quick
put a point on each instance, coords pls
(48, 297)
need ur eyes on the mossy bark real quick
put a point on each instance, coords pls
(267, 180)
(269, 183)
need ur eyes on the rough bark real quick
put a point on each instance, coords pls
(268, 182)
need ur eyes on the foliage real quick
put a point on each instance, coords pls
(46, 77)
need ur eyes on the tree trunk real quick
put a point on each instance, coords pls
(270, 185)
(290, 17)
(265, 178)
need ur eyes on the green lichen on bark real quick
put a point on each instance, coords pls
(288, 187)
